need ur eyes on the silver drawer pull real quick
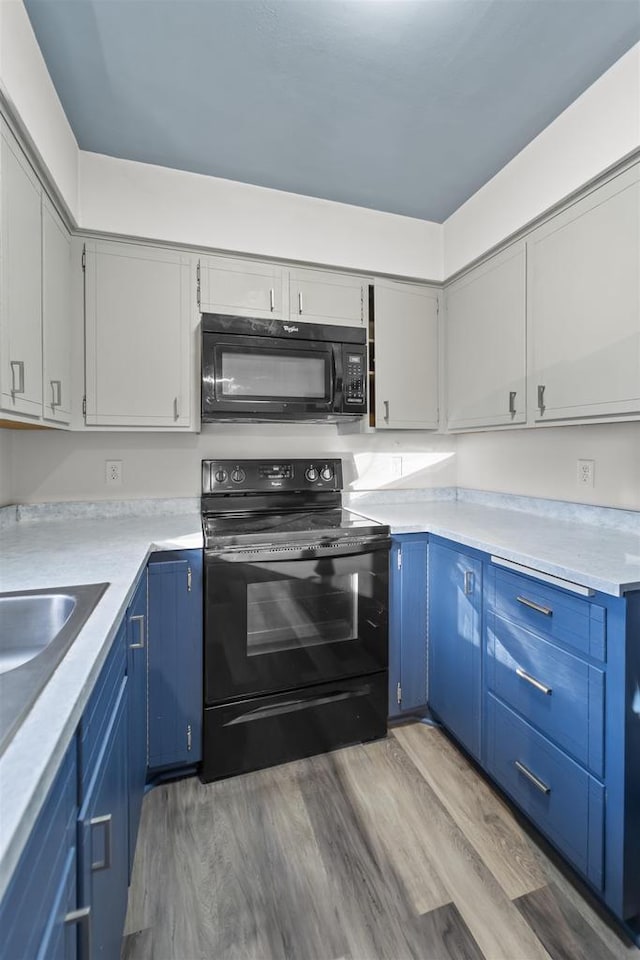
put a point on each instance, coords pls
(547, 611)
(386, 411)
(140, 621)
(56, 393)
(468, 582)
(541, 405)
(83, 918)
(532, 680)
(272, 299)
(299, 302)
(105, 822)
(17, 365)
(512, 402)
(531, 777)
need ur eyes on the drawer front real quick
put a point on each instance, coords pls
(99, 710)
(561, 798)
(549, 612)
(559, 693)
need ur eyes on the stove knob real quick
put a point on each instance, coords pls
(327, 472)
(221, 476)
(238, 475)
(311, 474)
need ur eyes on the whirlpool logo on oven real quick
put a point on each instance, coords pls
(289, 328)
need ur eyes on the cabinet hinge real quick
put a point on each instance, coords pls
(362, 304)
(399, 693)
(438, 307)
(188, 737)
(84, 406)
(399, 559)
(84, 259)
(188, 579)
(198, 284)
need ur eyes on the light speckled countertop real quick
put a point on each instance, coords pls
(67, 550)
(64, 553)
(596, 556)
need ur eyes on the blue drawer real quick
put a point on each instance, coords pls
(561, 694)
(550, 612)
(561, 798)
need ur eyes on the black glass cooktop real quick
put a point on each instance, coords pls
(278, 527)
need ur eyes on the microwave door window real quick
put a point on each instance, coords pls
(273, 375)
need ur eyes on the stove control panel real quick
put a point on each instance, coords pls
(263, 476)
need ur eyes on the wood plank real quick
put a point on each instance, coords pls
(446, 936)
(481, 814)
(564, 932)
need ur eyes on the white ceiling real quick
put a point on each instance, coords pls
(407, 106)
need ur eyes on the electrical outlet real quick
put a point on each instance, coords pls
(586, 470)
(113, 473)
(396, 466)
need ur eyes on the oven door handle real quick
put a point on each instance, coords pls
(254, 553)
(300, 703)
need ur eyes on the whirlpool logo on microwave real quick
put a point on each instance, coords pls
(290, 328)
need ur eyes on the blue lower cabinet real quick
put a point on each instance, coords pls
(455, 653)
(408, 625)
(37, 910)
(136, 640)
(103, 836)
(175, 659)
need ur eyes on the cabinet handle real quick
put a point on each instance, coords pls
(386, 411)
(272, 299)
(140, 620)
(547, 611)
(83, 918)
(512, 402)
(176, 408)
(299, 301)
(468, 582)
(541, 406)
(19, 366)
(188, 737)
(56, 393)
(532, 680)
(104, 821)
(531, 777)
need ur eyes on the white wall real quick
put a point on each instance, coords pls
(142, 200)
(599, 128)
(6, 490)
(541, 462)
(27, 87)
(56, 465)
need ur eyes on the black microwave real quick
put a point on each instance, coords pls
(266, 369)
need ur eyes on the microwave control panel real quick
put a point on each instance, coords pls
(354, 374)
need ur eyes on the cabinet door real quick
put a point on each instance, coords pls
(20, 282)
(406, 357)
(137, 636)
(455, 592)
(103, 838)
(175, 659)
(408, 625)
(584, 306)
(326, 298)
(243, 288)
(56, 317)
(485, 344)
(138, 335)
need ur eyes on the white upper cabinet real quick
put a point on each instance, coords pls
(584, 306)
(56, 317)
(405, 348)
(139, 307)
(242, 288)
(485, 333)
(20, 282)
(319, 297)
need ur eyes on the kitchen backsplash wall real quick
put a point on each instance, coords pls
(542, 462)
(46, 466)
(5, 467)
(71, 466)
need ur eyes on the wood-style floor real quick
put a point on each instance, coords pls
(396, 849)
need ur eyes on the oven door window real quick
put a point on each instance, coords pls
(278, 625)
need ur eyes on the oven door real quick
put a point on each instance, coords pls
(273, 625)
(266, 377)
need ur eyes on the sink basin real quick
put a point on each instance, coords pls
(37, 627)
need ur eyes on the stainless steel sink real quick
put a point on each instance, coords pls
(37, 628)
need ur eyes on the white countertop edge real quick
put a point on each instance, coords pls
(18, 813)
